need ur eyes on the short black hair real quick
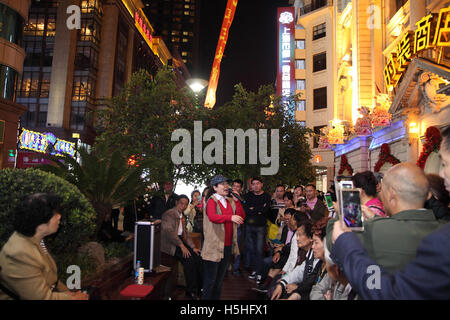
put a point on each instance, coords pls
(367, 181)
(182, 196)
(299, 217)
(291, 211)
(280, 185)
(257, 179)
(310, 185)
(446, 138)
(238, 181)
(298, 186)
(289, 195)
(34, 210)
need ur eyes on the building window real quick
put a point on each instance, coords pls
(90, 30)
(316, 136)
(300, 105)
(91, 6)
(184, 54)
(86, 56)
(320, 98)
(320, 62)
(185, 40)
(8, 78)
(400, 3)
(300, 84)
(319, 31)
(300, 44)
(300, 64)
(83, 88)
(11, 25)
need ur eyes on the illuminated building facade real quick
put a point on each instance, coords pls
(13, 15)
(410, 76)
(70, 70)
(372, 73)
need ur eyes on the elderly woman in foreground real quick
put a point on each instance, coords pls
(27, 270)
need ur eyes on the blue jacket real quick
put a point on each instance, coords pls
(425, 277)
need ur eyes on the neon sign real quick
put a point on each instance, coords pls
(45, 143)
(143, 28)
(428, 34)
(286, 52)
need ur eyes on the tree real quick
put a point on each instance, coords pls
(104, 177)
(141, 119)
(258, 110)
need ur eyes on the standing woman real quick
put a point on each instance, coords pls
(220, 220)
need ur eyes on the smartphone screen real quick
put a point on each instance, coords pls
(351, 208)
(329, 201)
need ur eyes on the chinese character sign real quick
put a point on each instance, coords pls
(432, 31)
(210, 99)
(286, 52)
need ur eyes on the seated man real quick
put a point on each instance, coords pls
(393, 242)
(283, 251)
(310, 267)
(175, 242)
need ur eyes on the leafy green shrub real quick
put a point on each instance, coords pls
(78, 217)
(115, 250)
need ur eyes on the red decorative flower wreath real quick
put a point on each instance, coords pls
(433, 140)
(345, 165)
(385, 156)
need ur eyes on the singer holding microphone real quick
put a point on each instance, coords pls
(220, 221)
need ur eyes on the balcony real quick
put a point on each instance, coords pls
(315, 5)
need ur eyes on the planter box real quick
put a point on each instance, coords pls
(109, 280)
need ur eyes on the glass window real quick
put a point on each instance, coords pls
(319, 31)
(317, 136)
(320, 98)
(11, 25)
(301, 105)
(300, 64)
(300, 84)
(300, 44)
(320, 62)
(8, 77)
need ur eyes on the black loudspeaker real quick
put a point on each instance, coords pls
(147, 244)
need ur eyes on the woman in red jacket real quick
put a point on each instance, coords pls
(220, 220)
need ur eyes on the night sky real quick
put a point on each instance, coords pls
(250, 53)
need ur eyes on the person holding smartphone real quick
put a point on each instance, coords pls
(313, 207)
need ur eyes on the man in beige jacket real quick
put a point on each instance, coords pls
(175, 242)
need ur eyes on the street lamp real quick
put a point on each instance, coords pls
(197, 84)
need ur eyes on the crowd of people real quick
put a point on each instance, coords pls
(293, 245)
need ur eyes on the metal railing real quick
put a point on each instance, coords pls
(314, 5)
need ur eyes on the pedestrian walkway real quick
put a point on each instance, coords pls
(233, 288)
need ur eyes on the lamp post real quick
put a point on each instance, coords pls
(197, 85)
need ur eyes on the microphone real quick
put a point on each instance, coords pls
(230, 190)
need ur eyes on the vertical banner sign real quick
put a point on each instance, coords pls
(210, 99)
(286, 52)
